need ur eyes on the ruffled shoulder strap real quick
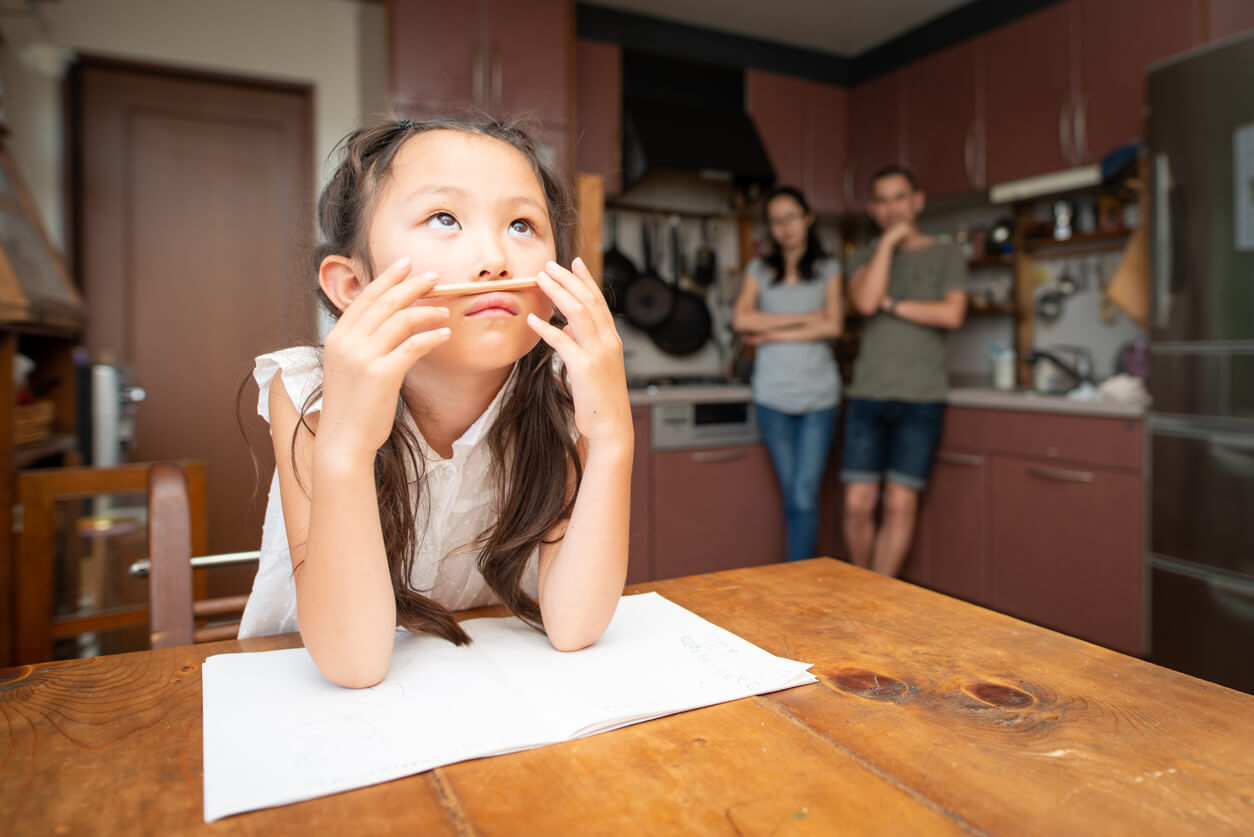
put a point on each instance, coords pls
(301, 368)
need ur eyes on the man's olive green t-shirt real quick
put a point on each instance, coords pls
(900, 360)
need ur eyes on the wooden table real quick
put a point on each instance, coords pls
(931, 715)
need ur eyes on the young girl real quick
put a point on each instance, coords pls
(790, 308)
(436, 455)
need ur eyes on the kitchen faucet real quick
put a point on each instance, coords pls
(1081, 372)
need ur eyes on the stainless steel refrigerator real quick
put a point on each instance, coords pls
(1201, 498)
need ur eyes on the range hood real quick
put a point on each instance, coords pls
(687, 142)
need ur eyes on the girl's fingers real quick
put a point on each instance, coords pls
(406, 323)
(561, 342)
(398, 296)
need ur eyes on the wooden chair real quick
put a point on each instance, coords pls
(173, 610)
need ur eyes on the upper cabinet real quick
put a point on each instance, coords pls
(502, 58)
(1029, 79)
(1066, 85)
(1119, 39)
(599, 105)
(1228, 17)
(944, 132)
(875, 134)
(803, 125)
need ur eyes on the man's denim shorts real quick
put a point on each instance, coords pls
(891, 440)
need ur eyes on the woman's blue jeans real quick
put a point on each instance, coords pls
(798, 445)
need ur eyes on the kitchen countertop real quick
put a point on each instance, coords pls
(678, 393)
(1031, 401)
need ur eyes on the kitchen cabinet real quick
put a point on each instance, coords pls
(1038, 515)
(715, 509)
(803, 125)
(943, 120)
(488, 55)
(1065, 85)
(599, 109)
(875, 134)
(1228, 17)
(639, 542)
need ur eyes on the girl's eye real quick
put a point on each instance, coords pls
(521, 227)
(443, 221)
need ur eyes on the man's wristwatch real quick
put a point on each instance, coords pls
(890, 304)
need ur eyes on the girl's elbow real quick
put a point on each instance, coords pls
(574, 638)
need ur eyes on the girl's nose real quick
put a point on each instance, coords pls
(494, 264)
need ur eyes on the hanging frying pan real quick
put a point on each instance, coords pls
(706, 270)
(647, 300)
(616, 269)
(687, 329)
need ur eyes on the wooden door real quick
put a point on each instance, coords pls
(1030, 78)
(194, 212)
(777, 104)
(941, 120)
(874, 132)
(1119, 39)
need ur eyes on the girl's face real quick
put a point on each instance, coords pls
(789, 222)
(470, 208)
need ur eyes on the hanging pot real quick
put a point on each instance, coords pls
(706, 270)
(688, 327)
(616, 269)
(647, 300)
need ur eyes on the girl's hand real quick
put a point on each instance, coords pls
(371, 347)
(590, 347)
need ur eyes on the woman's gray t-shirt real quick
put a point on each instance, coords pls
(795, 376)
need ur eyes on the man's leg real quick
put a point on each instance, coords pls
(901, 506)
(916, 431)
(860, 500)
(862, 468)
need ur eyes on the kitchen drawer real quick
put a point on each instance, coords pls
(1090, 440)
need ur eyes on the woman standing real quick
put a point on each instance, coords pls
(789, 307)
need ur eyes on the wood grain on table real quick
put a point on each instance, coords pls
(931, 715)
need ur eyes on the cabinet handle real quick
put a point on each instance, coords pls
(959, 458)
(1059, 474)
(968, 155)
(476, 79)
(1064, 129)
(1081, 123)
(497, 80)
(726, 455)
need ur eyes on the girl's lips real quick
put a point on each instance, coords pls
(494, 303)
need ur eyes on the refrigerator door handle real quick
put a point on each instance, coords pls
(1162, 240)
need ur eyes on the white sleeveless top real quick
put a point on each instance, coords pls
(458, 504)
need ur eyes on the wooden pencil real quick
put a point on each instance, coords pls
(463, 288)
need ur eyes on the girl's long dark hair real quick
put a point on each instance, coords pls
(535, 464)
(775, 257)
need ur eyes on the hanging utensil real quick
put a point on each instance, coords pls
(688, 327)
(706, 270)
(616, 269)
(647, 299)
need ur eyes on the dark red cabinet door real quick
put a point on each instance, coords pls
(639, 550)
(874, 132)
(1119, 39)
(825, 148)
(715, 509)
(599, 109)
(950, 548)
(941, 126)
(1029, 83)
(1065, 549)
(1228, 17)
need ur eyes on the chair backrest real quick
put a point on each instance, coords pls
(170, 549)
(173, 609)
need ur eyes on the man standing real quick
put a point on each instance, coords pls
(911, 289)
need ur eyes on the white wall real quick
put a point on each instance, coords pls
(336, 46)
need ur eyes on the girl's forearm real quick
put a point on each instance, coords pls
(345, 603)
(585, 579)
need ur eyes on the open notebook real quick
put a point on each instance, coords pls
(276, 731)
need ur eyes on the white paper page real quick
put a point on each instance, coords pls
(656, 658)
(276, 731)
